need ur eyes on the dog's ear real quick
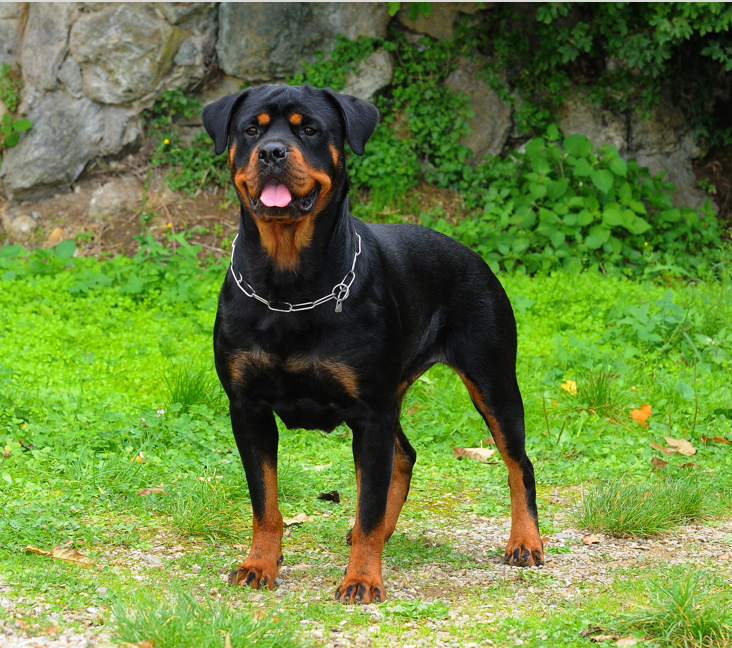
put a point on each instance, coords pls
(217, 116)
(360, 117)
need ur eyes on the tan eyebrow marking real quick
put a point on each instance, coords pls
(263, 119)
(296, 119)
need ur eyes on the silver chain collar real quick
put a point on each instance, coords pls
(340, 291)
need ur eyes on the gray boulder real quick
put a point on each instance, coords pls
(491, 121)
(45, 40)
(66, 134)
(123, 52)
(263, 41)
(9, 40)
(373, 74)
(580, 117)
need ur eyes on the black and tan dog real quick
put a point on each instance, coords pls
(324, 319)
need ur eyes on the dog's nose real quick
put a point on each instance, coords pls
(272, 152)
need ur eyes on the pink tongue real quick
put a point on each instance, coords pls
(275, 194)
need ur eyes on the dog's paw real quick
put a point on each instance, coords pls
(360, 589)
(255, 574)
(524, 553)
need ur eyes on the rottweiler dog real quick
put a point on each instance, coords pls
(323, 319)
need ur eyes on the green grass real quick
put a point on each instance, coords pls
(645, 509)
(182, 620)
(685, 608)
(87, 364)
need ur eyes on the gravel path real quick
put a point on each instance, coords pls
(573, 570)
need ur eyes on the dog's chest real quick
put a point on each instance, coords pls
(306, 391)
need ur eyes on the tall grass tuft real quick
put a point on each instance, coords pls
(646, 509)
(596, 390)
(686, 609)
(205, 509)
(195, 384)
(181, 620)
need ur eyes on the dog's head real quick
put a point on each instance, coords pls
(286, 146)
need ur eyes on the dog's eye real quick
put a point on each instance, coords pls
(309, 131)
(252, 130)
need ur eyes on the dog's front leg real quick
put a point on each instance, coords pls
(256, 437)
(373, 453)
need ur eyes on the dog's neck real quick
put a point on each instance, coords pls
(294, 261)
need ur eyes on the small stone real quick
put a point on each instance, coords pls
(115, 197)
(102, 591)
(278, 581)
(19, 227)
(196, 569)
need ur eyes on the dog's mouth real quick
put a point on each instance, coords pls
(275, 198)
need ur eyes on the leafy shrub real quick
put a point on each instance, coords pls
(10, 127)
(627, 52)
(563, 204)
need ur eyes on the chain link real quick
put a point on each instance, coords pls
(340, 291)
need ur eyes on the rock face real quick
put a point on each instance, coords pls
(579, 117)
(264, 41)
(373, 74)
(661, 142)
(123, 52)
(491, 122)
(66, 134)
(441, 21)
(115, 197)
(10, 13)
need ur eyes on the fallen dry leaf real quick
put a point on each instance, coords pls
(481, 454)
(689, 465)
(300, 518)
(139, 644)
(664, 449)
(56, 236)
(227, 641)
(590, 539)
(601, 638)
(657, 463)
(49, 630)
(716, 439)
(570, 386)
(626, 641)
(545, 540)
(152, 491)
(723, 557)
(685, 448)
(66, 554)
(258, 615)
(489, 441)
(239, 547)
(641, 414)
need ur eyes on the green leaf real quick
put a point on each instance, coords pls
(552, 133)
(393, 8)
(686, 392)
(12, 140)
(557, 238)
(638, 226)
(582, 168)
(597, 237)
(21, 125)
(577, 145)
(602, 179)
(612, 217)
(619, 166)
(557, 189)
(65, 249)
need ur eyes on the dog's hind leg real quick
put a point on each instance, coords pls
(490, 376)
(401, 475)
